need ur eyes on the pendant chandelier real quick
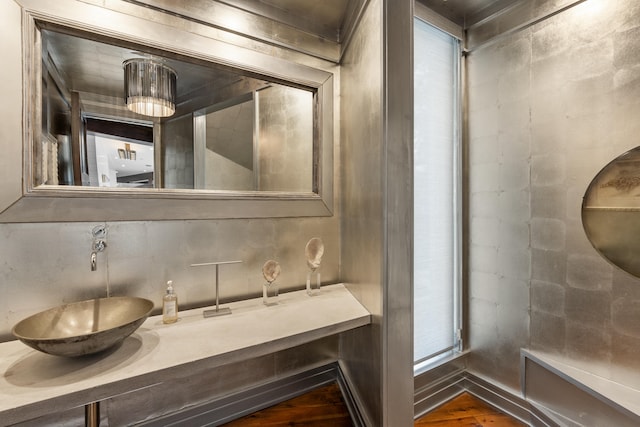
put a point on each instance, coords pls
(150, 87)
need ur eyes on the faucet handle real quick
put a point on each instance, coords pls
(99, 231)
(99, 245)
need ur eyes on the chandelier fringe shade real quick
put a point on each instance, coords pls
(150, 87)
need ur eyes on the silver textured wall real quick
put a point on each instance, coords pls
(285, 141)
(499, 254)
(361, 237)
(177, 153)
(181, 391)
(549, 106)
(46, 264)
(376, 147)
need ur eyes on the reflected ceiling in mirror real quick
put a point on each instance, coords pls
(611, 212)
(232, 130)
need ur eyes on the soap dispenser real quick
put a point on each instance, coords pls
(170, 305)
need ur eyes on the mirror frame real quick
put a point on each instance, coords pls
(71, 204)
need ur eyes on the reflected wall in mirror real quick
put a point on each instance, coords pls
(232, 130)
(611, 212)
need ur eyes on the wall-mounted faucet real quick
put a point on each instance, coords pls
(99, 244)
(94, 261)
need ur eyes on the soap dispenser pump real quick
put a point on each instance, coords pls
(170, 305)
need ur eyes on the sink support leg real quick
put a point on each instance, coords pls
(92, 414)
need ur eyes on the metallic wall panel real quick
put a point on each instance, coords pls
(581, 60)
(246, 402)
(185, 391)
(47, 264)
(557, 101)
(499, 208)
(178, 160)
(510, 16)
(376, 237)
(397, 188)
(10, 50)
(571, 403)
(142, 255)
(200, 387)
(169, 33)
(258, 26)
(361, 222)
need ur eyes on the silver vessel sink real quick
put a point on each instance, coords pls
(86, 327)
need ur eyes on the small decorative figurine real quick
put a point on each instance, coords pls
(313, 252)
(270, 272)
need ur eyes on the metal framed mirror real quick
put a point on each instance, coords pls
(71, 152)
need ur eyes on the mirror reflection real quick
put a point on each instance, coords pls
(611, 212)
(222, 130)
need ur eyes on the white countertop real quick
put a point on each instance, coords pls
(34, 384)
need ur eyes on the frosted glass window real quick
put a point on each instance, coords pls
(436, 172)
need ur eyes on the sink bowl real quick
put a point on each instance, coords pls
(85, 327)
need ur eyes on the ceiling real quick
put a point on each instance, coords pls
(467, 12)
(326, 18)
(330, 18)
(89, 66)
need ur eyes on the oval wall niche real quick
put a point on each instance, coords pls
(611, 212)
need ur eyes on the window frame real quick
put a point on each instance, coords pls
(423, 364)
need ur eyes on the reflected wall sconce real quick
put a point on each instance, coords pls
(149, 87)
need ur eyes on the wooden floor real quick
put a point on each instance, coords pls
(325, 407)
